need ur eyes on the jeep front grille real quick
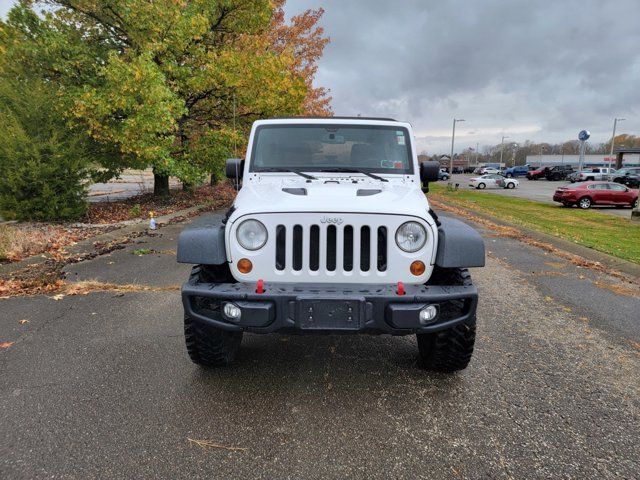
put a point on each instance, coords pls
(334, 244)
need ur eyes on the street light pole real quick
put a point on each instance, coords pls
(613, 137)
(477, 148)
(502, 149)
(453, 138)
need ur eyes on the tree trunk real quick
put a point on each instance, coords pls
(160, 185)
(214, 179)
(187, 187)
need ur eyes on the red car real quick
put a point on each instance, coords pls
(537, 173)
(596, 193)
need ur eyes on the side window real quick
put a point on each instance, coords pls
(617, 187)
(602, 186)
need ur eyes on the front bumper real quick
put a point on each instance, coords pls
(322, 308)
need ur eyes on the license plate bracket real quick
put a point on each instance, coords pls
(329, 313)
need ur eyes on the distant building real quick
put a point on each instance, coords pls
(600, 160)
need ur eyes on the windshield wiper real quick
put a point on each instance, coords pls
(354, 170)
(288, 170)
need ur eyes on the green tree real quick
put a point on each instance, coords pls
(171, 84)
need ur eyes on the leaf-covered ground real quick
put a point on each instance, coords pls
(21, 240)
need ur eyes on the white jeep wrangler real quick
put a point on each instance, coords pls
(331, 233)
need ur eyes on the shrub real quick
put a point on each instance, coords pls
(43, 164)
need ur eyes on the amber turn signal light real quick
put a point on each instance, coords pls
(417, 268)
(244, 265)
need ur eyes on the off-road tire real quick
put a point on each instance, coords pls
(449, 350)
(208, 346)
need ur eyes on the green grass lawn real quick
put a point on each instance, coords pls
(607, 233)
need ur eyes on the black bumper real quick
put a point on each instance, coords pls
(321, 308)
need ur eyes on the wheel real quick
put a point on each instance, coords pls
(590, 179)
(556, 178)
(508, 175)
(449, 350)
(635, 203)
(584, 203)
(511, 185)
(208, 346)
(482, 186)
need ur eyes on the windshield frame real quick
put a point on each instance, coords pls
(317, 169)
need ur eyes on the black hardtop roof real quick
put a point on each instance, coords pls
(334, 118)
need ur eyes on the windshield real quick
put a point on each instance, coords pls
(314, 148)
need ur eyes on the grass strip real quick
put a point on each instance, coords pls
(606, 233)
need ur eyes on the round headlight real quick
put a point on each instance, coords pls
(411, 237)
(251, 234)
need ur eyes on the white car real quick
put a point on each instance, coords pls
(489, 171)
(493, 181)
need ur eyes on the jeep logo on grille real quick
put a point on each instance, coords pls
(334, 220)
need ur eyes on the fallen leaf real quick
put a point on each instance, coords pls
(22, 322)
(5, 344)
(210, 444)
(58, 296)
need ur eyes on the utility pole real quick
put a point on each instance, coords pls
(453, 138)
(613, 137)
(502, 149)
(477, 152)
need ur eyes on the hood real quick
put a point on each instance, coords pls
(333, 195)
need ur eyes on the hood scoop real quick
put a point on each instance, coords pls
(366, 192)
(296, 191)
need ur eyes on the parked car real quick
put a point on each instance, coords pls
(620, 176)
(573, 177)
(493, 181)
(517, 171)
(559, 172)
(586, 194)
(594, 174)
(489, 171)
(442, 175)
(631, 181)
(537, 173)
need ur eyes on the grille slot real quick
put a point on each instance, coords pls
(297, 248)
(314, 248)
(382, 249)
(331, 248)
(281, 247)
(347, 262)
(365, 248)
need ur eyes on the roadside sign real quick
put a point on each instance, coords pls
(584, 135)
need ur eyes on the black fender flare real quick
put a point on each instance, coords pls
(459, 245)
(202, 245)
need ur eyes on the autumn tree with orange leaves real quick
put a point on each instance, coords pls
(171, 84)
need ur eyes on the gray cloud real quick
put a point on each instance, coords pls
(530, 69)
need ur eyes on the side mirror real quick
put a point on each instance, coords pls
(429, 172)
(234, 168)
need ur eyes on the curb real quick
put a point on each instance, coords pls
(87, 245)
(615, 263)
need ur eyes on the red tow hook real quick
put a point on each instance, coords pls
(400, 288)
(260, 286)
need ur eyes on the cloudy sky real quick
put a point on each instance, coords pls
(529, 69)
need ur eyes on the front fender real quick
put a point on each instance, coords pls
(459, 245)
(202, 245)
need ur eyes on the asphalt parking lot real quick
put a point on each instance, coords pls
(100, 386)
(538, 190)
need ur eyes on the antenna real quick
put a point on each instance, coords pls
(235, 146)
